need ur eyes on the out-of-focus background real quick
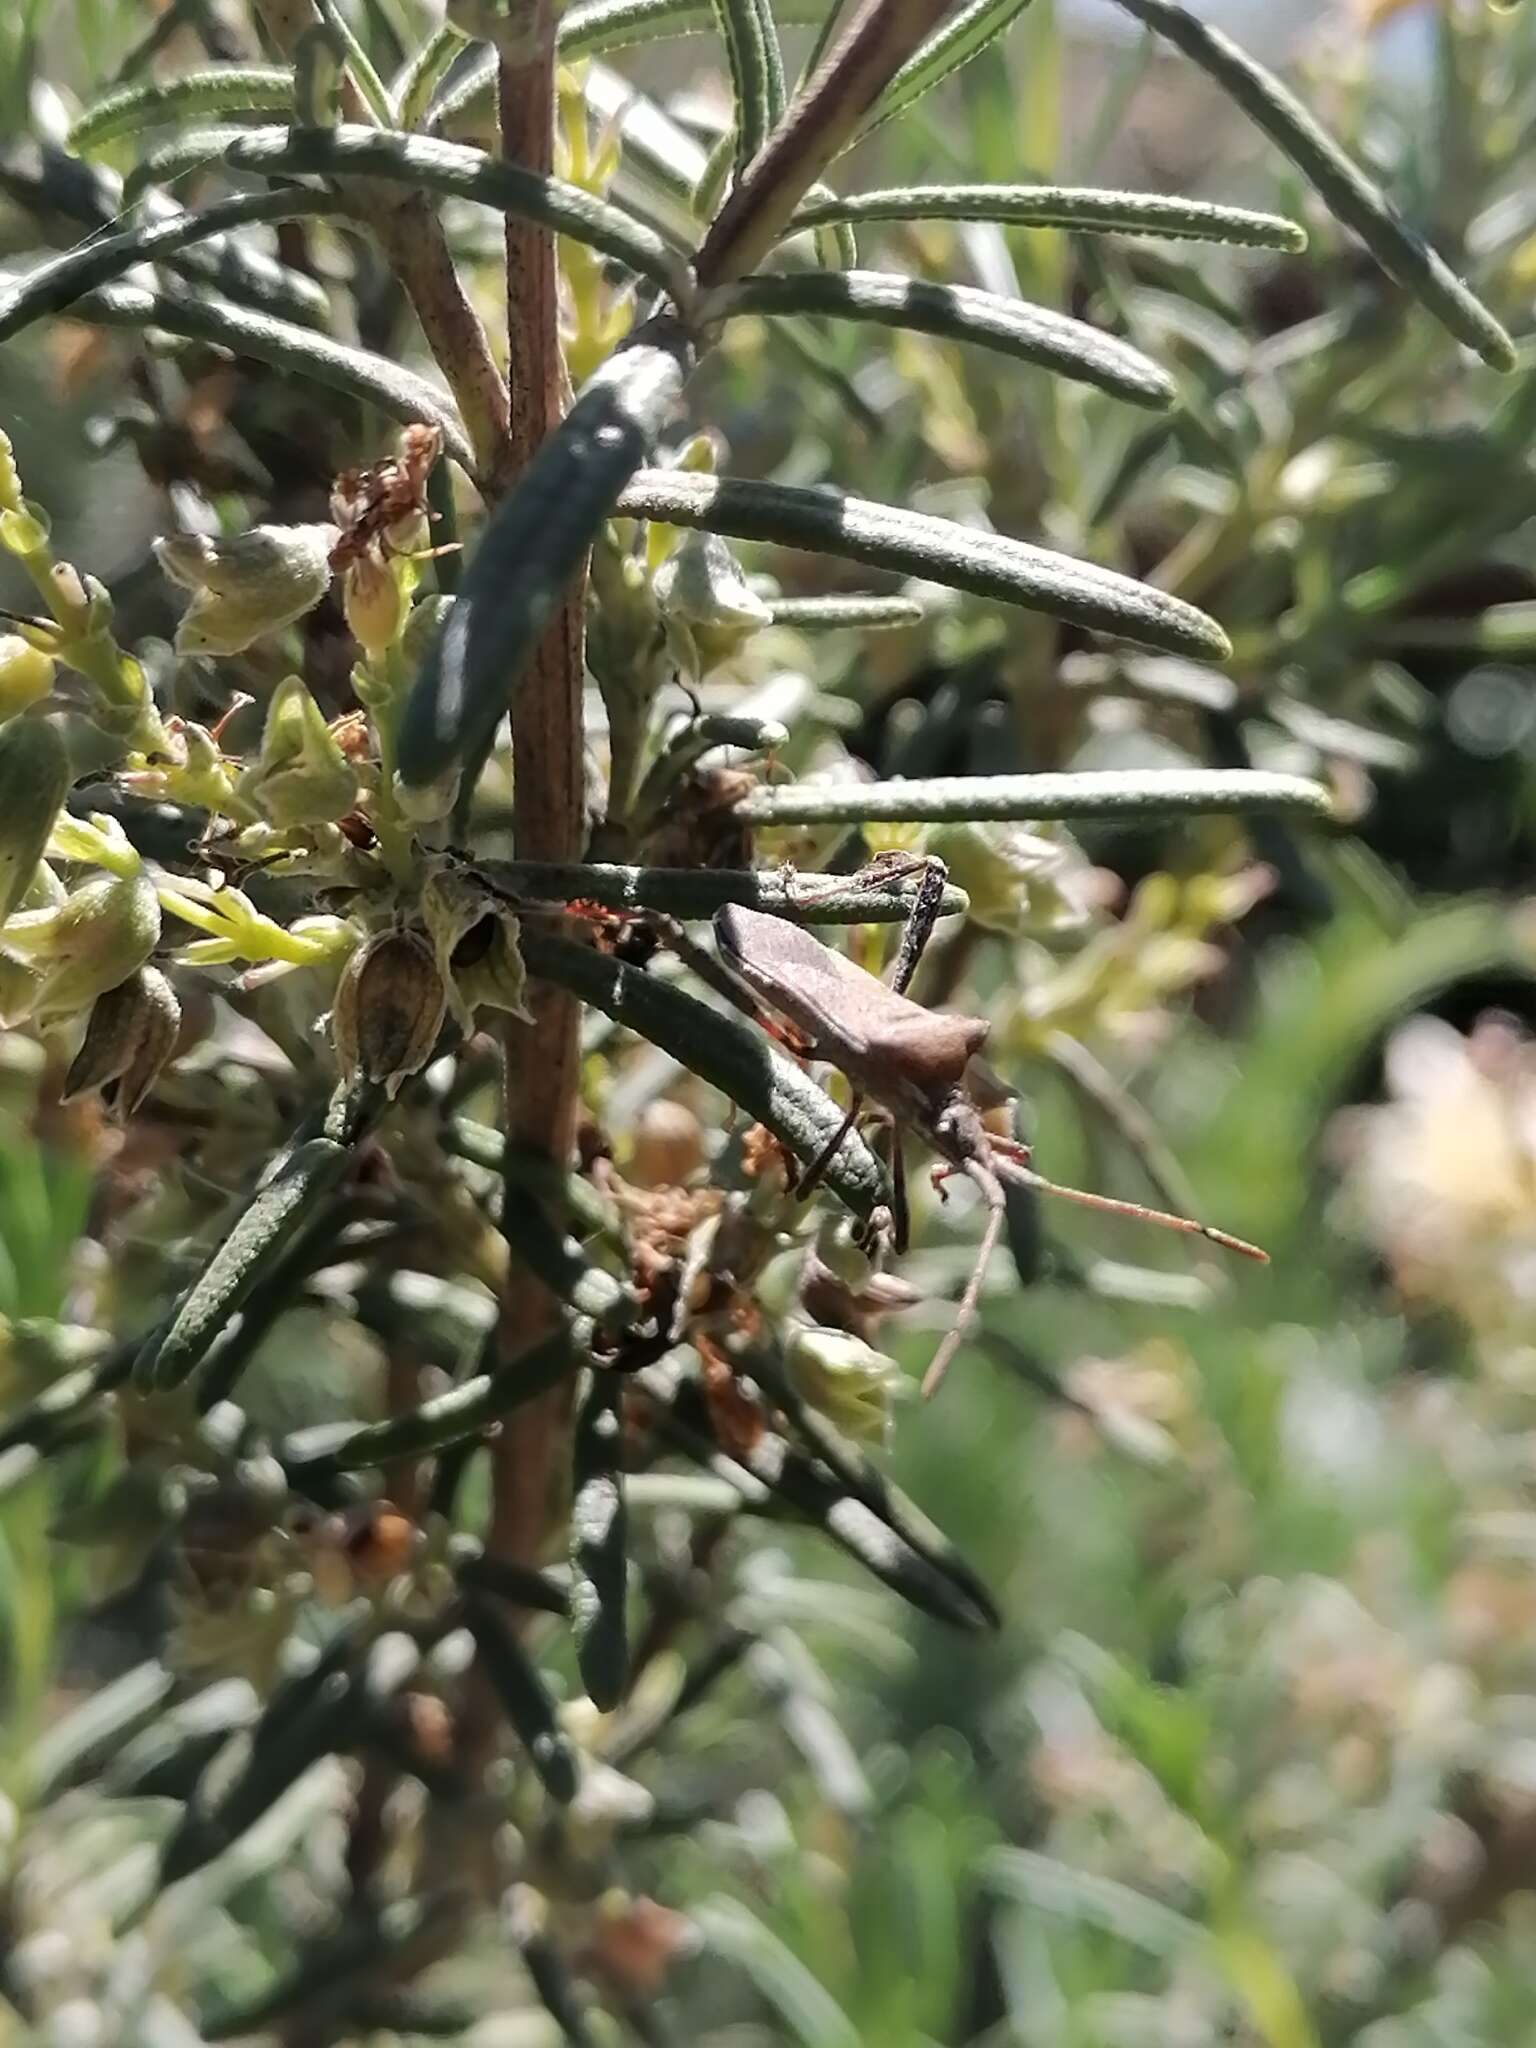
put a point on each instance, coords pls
(1253, 1757)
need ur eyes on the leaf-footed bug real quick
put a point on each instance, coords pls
(913, 1063)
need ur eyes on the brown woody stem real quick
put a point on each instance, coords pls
(542, 1056)
(412, 239)
(821, 121)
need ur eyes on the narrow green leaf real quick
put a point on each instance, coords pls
(398, 393)
(458, 172)
(597, 25)
(518, 1584)
(1049, 1885)
(227, 90)
(194, 149)
(697, 893)
(370, 86)
(55, 1414)
(526, 1701)
(863, 614)
(301, 1180)
(599, 1536)
(531, 547)
(1132, 795)
(313, 1457)
(937, 550)
(723, 1050)
(1400, 250)
(46, 181)
(1082, 209)
(746, 54)
(807, 2009)
(90, 1732)
(666, 155)
(57, 283)
(867, 1484)
(413, 85)
(1030, 334)
(964, 36)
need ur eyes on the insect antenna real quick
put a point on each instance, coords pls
(992, 1194)
(1025, 1176)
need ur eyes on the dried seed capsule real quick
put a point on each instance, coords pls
(131, 1035)
(390, 1004)
(34, 781)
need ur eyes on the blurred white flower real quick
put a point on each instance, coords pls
(1442, 1177)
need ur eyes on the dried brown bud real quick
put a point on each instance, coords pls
(390, 1004)
(131, 1034)
(669, 1146)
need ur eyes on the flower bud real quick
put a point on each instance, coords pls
(710, 608)
(301, 776)
(1021, 880)
(669, 1146)
(34, 781)
(18, 991)
(26, 674)
(246, 585)
(24, 528)
(428, 803)
(10, 476)
(101, 933)
(131, 1034)
(848, 1381)
(374, 603)
(389, 1009)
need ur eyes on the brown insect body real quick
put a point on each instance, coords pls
(912, 1062)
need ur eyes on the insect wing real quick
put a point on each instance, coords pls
(825, 997)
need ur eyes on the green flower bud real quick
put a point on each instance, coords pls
(101, 933)
(18, 991)
(26, 674)
(301, 776)
(24, 528)
(10, 476)
(375, 604)
(246, 585)
(1021, 880)
(428, 803)
(474, 937)
(853, 1385)
(34, 781)
(389, 1009)
(710, 608)
(131, 1035)
(627, 652)
(44, 892)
